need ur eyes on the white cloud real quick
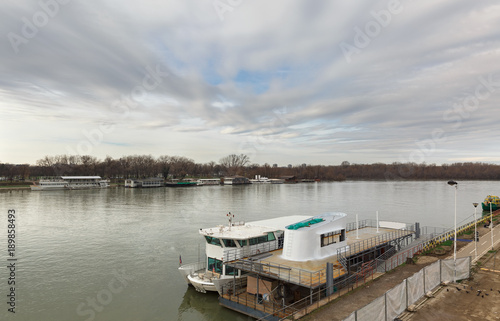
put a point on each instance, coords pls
(272, 70)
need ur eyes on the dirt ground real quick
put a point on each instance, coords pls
(467, 304)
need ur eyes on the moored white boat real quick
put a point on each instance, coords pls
(209, 181)
(70, 182)
(260, 179)
(231, 242)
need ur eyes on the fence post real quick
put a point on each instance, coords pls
(468, 265)
(406, 286)
(424, 279)
(385, 304)
(440, 271)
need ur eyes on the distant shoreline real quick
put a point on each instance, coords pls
(15, 188)
(7, 188)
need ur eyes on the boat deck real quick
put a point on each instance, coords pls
(312, 273)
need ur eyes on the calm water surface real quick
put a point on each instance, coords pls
(113, 254)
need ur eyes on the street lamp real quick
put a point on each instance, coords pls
(475, 229)
(453, 183)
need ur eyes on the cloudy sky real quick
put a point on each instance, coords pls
(285, 82)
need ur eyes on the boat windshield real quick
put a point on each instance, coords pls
(229, 243)
(213, 240)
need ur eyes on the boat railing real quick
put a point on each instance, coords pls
(351, 226)
(190, 268)
(238, 253)
(349, 250)
(282, 272)
(361, 224)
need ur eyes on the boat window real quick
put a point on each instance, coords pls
(270, 236)
(258, 240)
(332, 237)
(242, 242)
(231, 270)
(212, 240)
(214, 265)
(229, 243)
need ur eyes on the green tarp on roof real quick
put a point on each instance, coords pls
(296, 226)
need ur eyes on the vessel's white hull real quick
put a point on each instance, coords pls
(201, 285)
(47, 188)
(86, 186)
(202, 280)
(62, 186)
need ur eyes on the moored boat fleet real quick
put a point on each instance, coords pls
(228, 180)
(94, 182)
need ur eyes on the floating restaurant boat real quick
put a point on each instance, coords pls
(70, 182)
(492, 200)
(145, 182)
(209, 181)
(235, 180)
(260, 268)
(236, 239)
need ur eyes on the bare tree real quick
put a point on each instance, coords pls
(181, 166)
(234, 164)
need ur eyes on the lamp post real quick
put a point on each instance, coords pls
(475, 230)
(453, 183)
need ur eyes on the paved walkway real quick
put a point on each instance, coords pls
(483, 245)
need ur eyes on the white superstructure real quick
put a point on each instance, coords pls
(315, 238)
(260, 179)
(70, 182)
(231, 242)
(209, 181)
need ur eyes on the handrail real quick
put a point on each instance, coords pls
(349, 250)
(450, 233)
(238, 253)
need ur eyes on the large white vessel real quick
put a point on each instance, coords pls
(235, 241)
(208, 181)
(70, 182)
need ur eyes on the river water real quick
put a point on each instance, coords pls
(113, 254)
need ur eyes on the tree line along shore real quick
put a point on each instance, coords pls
(179, 167)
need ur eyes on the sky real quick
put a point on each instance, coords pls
(286, 82)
